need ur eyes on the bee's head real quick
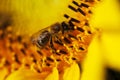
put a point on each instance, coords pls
(41, 39)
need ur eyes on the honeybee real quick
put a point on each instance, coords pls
(44, 36)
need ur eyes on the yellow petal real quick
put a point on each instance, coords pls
(93, 66)
(111, 47)
(107, 17)
(3, 73)
(25, 74)
(103, 51)
(72, 73)
(53, 76)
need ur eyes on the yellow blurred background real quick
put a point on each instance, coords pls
(104, 50)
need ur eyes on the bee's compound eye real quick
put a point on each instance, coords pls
(55, 28)
(44, 37)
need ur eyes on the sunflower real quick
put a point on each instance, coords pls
(55, 52)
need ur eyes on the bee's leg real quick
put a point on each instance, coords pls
(38, 44)
(58, 41)
(51, 44)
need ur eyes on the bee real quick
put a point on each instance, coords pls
(44, 36)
